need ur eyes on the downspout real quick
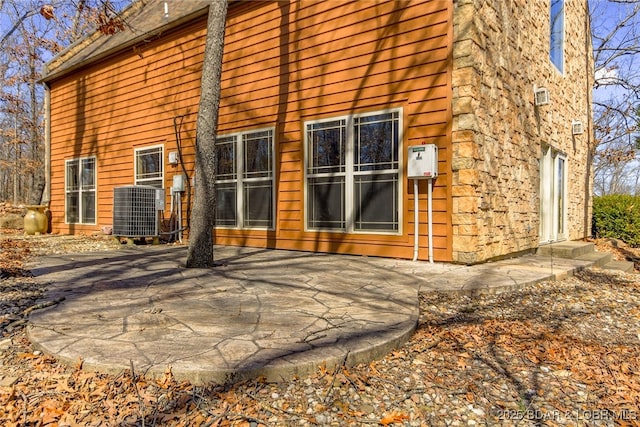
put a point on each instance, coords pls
(46, 194)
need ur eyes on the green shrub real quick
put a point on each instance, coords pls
(617, 216)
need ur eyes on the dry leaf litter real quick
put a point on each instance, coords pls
(555, 353)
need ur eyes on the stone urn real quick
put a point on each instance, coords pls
(36, 220)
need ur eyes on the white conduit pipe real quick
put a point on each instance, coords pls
(430, 216)
(180, 216)
(171, 211)
(416, 220)
(416, 224)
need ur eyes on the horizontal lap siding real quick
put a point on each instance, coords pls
(284, 63)
(287, 63)
(120, 104)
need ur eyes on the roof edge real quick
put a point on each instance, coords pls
(73, 49)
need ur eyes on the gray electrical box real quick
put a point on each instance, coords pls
(178, 183)
(173, 158)
(160, 199)
(422, 162)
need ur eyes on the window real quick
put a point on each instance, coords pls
(149, 166)
(244, 180)
(353, 173)
(556, 51)
(80, 191)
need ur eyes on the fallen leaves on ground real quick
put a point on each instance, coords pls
(14, 253)
(555, 353)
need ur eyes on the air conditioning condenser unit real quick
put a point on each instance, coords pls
(135, 210)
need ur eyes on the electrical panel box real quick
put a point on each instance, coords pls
(423, 162)
(160, 199)
(173, 157)
(178, 183)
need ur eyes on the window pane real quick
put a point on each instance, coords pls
(560, 194)
(226, 158)
(226, 204)
(88, 207)
(88, 174)
(80, 199)
(149, 163)
(73, 175)
(326, 203)
(376, 202)
(257, 154)
(257, 204)
(376, 142)
(557, 33)
(327, 146)
(73, 208)
(157, 183)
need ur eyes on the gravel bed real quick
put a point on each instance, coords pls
(555, 353)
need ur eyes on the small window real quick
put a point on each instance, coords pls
(556, 51)
(244, 180)
(149, 166)
(353, 173)
(80, 191)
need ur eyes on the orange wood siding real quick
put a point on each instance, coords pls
(285, 63)
(117, 105)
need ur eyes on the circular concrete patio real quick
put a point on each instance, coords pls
(261, 313)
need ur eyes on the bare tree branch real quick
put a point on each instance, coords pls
(616, 44)
(16, 25)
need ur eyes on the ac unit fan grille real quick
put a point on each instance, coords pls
(134, 211)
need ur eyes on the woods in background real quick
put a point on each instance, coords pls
(30, 34)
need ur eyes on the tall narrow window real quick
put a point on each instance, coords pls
(560, 208)
(326, 174)
(257, 179)
(244, 180)
(556, 49)
(377, 142)
(353, 173)
(226, 182)
(80, 191)
(149, 166)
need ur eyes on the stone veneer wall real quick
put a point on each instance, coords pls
(501, 51)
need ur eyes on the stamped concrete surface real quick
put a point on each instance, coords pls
(261, 312)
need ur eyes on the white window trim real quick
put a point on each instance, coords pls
(80, 191)
(240, 180)
(144, 181)
(349, 174)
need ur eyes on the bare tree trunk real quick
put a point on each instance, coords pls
(200, 252)
(36, 176)
(16, 161)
